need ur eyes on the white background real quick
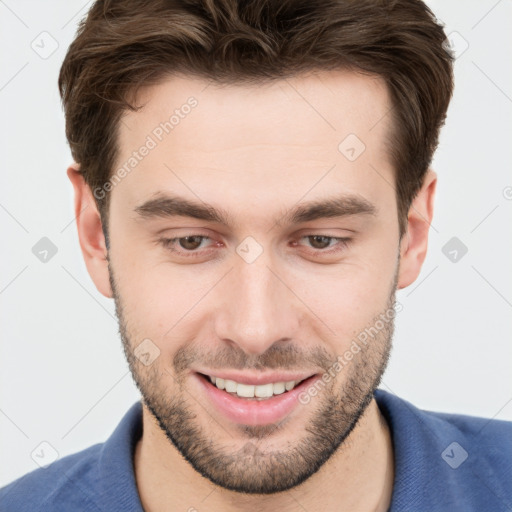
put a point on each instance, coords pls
(64, 379)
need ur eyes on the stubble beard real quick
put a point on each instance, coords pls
(251, 469)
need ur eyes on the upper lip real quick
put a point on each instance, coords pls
(257, 379)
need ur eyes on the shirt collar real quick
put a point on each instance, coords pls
(423, 478)
(118, 487)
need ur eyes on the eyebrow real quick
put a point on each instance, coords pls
(165, 206)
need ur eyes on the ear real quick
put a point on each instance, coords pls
(90, 233)
(413, 247)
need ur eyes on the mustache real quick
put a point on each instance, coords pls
(277, 356)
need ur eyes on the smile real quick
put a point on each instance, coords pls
(252, 391)
(253, 404)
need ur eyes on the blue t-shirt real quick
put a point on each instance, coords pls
(443, 462)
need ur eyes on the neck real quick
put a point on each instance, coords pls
(359, 476)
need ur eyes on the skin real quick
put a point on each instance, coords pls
(257, 152)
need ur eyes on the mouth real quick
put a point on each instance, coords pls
(253, 404)
(253, 391)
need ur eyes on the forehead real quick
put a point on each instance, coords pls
(315, 107)
(233, 142)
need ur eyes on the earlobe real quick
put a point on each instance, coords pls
(90, 232)
(413, 247)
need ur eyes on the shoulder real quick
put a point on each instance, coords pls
(478, 432)
(483, 438)
(67, 484)
(448, 461)
(100, 477)
(486, 429)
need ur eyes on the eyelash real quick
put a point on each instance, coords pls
(169, 243)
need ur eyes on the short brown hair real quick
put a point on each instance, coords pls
(124, 44)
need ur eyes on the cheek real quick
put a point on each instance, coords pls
(348, 300)
(160, 300)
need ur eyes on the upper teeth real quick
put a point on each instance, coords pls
(251, 391)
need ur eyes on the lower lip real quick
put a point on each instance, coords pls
(254, 412)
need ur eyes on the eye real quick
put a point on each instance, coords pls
(322, 243)
(184, 244)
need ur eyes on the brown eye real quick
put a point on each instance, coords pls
(190, 243)
(319, 241)
(324, 245)
(186, 245)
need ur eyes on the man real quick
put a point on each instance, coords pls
(252, 186)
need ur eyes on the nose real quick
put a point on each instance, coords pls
(256, 308)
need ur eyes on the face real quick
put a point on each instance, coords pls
(248, 245)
